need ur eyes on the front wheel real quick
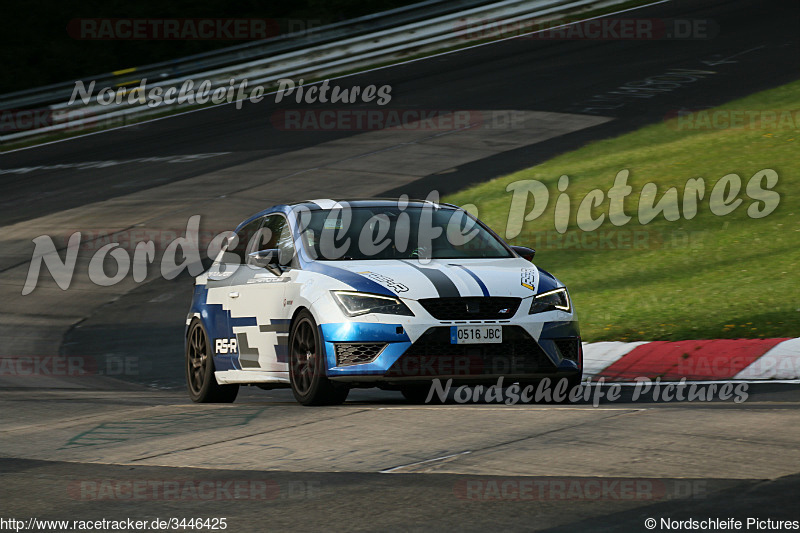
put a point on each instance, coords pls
(200, 380)
(307, 368)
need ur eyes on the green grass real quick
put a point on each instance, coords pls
(713, 276)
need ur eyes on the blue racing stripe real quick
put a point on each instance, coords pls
(484, 289)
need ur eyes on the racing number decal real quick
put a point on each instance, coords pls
(386, 281)
(527, 278)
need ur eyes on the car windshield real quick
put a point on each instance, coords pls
(415, 232)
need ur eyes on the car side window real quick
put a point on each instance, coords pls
(279, 235)
(247, 241)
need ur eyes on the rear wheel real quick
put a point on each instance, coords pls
(307, 368)
(200, 380)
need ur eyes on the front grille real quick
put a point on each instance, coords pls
(357, 353)
(568, 348)
(433, 355)
(471, 308)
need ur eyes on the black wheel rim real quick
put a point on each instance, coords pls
(197, 358)
(303, 357)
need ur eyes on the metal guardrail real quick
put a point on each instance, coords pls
(354, 48)
(280, 44)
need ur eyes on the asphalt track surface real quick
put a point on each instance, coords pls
(374, 462)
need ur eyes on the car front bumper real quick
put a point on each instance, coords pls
(370, 351)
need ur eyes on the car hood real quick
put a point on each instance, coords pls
(443, 277)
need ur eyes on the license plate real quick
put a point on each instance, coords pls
(476, 334)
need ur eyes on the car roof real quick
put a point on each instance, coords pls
(329, 203)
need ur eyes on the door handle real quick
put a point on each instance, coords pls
(233, 294)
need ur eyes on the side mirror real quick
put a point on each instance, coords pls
(525, 253)
(266, 259)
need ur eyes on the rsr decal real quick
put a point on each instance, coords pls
(225, 345)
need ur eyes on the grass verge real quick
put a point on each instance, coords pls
(729, 276)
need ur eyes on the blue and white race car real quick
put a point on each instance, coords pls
(323, 296)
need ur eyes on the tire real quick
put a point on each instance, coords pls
(200, 380)
(307, 368)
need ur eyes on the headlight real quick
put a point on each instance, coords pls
(551, 300)
(360, 303)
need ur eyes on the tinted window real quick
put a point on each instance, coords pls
(245, 241)
(277, 234)
(394, 233)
